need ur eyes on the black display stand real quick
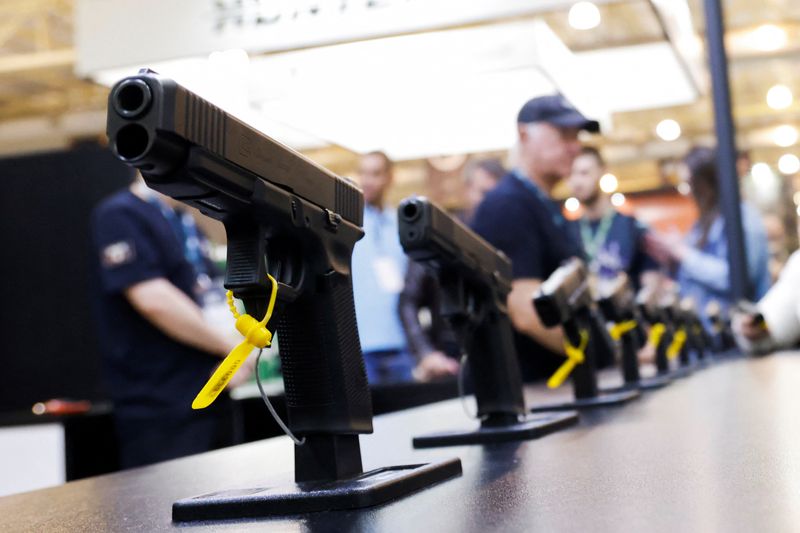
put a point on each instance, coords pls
(663, 366)
(644, 384)
(682, 372)
(699, 343)
(662, 361)
(684, 360)
(618, 305)
(685, 364)
(604, 399)
(584, 376)
(630, 366)
(365, 490)
(329, 477)
(501, 429)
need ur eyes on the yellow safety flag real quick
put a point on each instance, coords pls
(621, 328)
(677, 343)
(256, 335)
(575, 356)
(657, 331)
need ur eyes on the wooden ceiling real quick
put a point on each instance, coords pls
(37, 80)
(36, 60)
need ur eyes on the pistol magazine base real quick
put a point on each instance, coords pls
(531, 427)
(604, 399)
(364, 490)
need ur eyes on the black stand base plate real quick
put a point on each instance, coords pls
(365, 490)
(603, 400)
(705, 362)
(682, 372)
(531, 428)
(655, 382)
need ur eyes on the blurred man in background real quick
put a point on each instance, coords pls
(379, 266)
(152, 270)
(480, 177)
(430, 338)
(613, 242)
(520, 218)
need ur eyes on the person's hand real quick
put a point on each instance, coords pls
(647, 354)
(435, 365)
(745, 325)
(665, 248)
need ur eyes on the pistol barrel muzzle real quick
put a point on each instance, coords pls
(131, 98)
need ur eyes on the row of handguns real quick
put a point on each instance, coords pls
(291, 219)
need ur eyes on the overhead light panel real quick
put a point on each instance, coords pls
(572, 204)
(779, 97)
(767, 184)
(617, 199)
(668, 129)
(634, 78)
(785, 136)
(608, 183)
(789, 164)
(768, 38)
(762, 174)
(584, 16)
(420, 95)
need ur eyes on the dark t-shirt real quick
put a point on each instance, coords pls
(147, 373)
(528, 227)
(622, 249)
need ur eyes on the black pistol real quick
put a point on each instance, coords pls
(617, 300)
(617, 303)
(648, 303)
(676, 324)
(292, 219)
(697, 335)
(721, 334)
(475, 279)
(563, 296)
(564, 299)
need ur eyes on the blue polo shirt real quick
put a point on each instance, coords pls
(519, 219)
(147, 373)
(622, 250)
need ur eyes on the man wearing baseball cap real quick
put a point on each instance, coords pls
(520, 218)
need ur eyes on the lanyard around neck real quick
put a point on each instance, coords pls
(593, 243)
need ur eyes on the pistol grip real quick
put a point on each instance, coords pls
(495, 367)
(323, 368)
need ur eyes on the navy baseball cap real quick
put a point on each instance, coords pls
(557, 110)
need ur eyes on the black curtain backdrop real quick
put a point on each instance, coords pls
(48, 345)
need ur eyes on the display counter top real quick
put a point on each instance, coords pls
(716, 451)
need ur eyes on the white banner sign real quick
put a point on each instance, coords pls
(118, 33)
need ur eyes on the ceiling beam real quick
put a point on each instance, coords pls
(21, 63)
